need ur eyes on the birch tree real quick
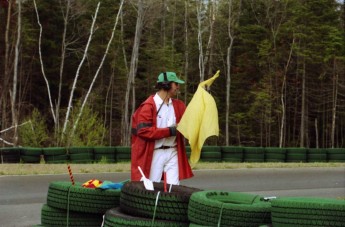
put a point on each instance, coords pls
(126, 122)
(232, 24)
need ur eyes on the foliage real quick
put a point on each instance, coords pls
(33, 132)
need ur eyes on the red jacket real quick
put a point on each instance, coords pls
(144, 134)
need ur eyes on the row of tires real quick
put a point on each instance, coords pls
(208, 154)
(133, 205)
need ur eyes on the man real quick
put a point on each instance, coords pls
(157, 147)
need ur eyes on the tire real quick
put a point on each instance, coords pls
(10, 154)
(173, 206)
(299, 211)
(30, 158)
(63, 195)
(316, 155)
(232, 154)
(254, 154)
(275, 154)
(53, 151)
(336, 155)
(51, 216)
(56, 158)
(31, 151)
(80, 150)
(123, 154)
(81, 158)
(210, 208)
(115, 217)
(296, 154)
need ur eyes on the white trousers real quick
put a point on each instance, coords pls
(165, 160)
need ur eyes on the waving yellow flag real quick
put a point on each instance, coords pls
(200, 119)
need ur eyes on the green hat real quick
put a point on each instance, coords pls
(170, 77)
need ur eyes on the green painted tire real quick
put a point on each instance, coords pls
(51, 216)
(212, 208)
(64, 195)
(308, 211)
(115, 217)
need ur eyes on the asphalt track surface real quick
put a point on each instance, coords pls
(21, 197)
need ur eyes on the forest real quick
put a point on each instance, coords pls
(73, 72)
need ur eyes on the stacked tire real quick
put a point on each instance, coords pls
(141, 207)
(222, 208)
(106, 154)
(54, 155)
(31, 155)
(299, 211)
(74, 205)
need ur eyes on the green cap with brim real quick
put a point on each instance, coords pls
(171, 77)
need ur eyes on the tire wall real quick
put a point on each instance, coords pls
(108, 154)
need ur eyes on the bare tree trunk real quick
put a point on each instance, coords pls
(98, 69)
(42, 65)
(164, 7)
(62, 64)
(70, 104)
(232, 21)
(210, 43)
(303, 110)
(126, 124)
(335, 98)
(15, 75)
(199, 8)
(186, 52)
(4, 89)
(283, 97)
(316, 134)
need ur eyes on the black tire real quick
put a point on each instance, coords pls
(316, 155)
(64, 195)
(275, 154)
(173, 206)
(299, 211)
(123, 153)
(51, 216)
(228, 208)
(115, 217)
(10, 154)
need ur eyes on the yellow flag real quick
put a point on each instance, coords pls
(200, 119)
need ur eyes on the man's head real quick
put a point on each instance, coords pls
(166, 79)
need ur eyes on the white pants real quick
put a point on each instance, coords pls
(165, 161)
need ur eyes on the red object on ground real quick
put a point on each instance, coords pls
(70, 174)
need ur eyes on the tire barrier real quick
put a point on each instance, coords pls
(299, 211)
(208, 154)
(232, 154)
(115, 217)
(64, 195)
(275, 154)
(157, 204)
(51, 216)
(31, 155)
(254, 154)
(105, 153)
(296, 154)
(220, 208)
(55, 155)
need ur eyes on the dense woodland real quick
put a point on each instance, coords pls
(72, 72)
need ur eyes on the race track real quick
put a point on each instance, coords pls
(21, 197)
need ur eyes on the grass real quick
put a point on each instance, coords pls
(42, 168)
